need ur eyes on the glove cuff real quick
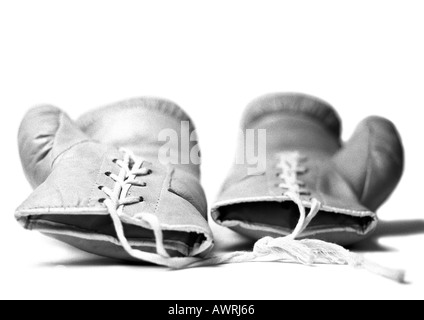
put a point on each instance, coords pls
(293, 103)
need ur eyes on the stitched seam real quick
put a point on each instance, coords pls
(367, 179)
(69, 148)
(62, 207)
(311, 229)
(45, 223)
(91, 202)
(166, 108)
(387, 152)
(60, 122)
(169, 175)
(199, 207)
(324, 124)
(35, 222)
(317, 189)
(326, 114)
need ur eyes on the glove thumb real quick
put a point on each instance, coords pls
(372, 161)
(45, 133)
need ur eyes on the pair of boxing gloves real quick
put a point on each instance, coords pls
(99, 186)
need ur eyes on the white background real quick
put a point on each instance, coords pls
(212, 58)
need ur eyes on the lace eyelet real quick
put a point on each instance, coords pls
(100, 188)
(302, 171)
(108, 173)
(102, 200)
(141, 199)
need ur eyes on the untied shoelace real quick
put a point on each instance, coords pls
(283, 249)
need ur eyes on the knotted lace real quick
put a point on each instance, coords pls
(283, 249)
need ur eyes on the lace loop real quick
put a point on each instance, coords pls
(125, 179)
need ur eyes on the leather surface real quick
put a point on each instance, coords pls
(351, 180)
(68, 163)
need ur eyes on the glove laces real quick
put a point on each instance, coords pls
(283, 249)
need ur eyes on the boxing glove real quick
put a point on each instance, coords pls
(308, 168)
(100, 185)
